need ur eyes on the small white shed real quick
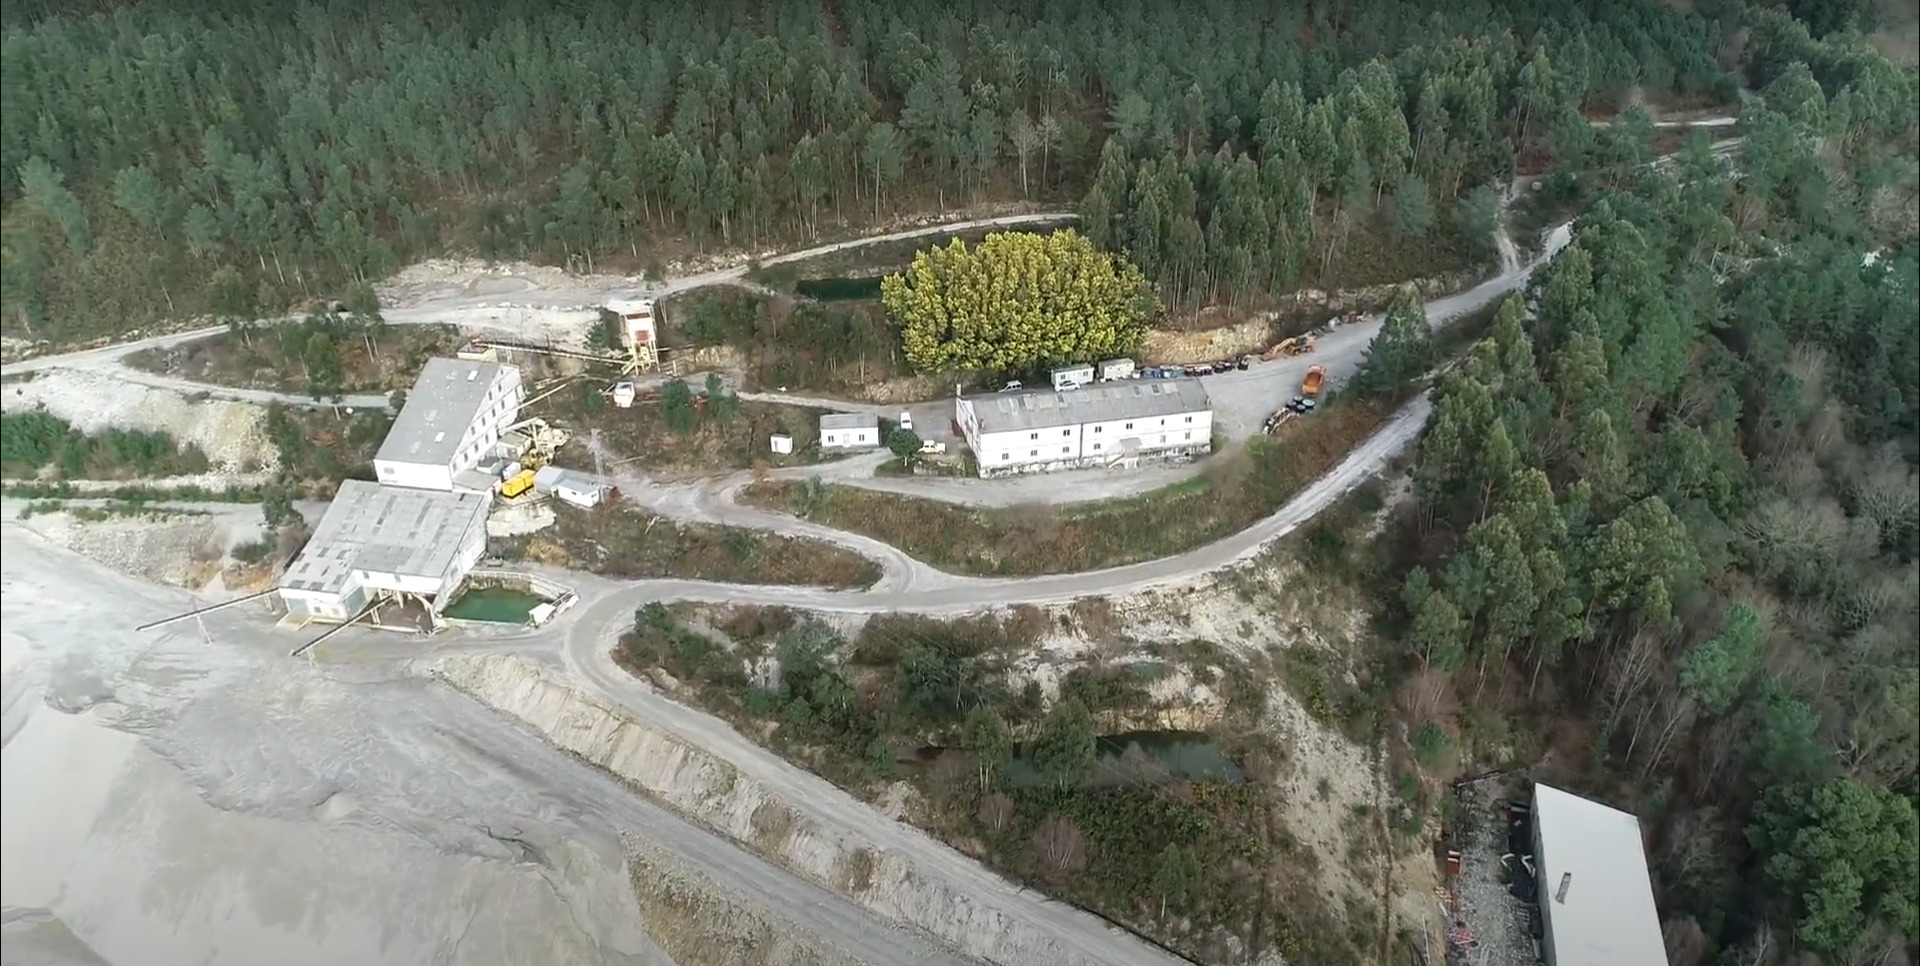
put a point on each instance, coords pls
(849, 431)
(780, 443)
(568, 487)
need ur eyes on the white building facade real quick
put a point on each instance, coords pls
(849, 431)
(452, 422)
(379, 541)
(1109, 424)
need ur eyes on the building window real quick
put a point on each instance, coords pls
(1163, 422)
(1189, 419)
(1033, 452)
(1096, 446)
(1005, 456)
(1098, 429)
(1033, 435)
(1066, 432)
(1129, 425)
(1066, 450)
(1189, 434)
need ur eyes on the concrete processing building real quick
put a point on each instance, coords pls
(382, 542)
(1595, 897)
(1106, 424)
(451, 423)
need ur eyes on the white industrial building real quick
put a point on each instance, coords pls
(451, 423)
(849, 431)
(1107, 424)
(381, 541)
(1596, 899)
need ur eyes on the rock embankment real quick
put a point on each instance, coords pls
(714, 793)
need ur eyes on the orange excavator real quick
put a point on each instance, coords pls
(1295, 346)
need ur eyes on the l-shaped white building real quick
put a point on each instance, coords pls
(451, 423)
(1105, 424)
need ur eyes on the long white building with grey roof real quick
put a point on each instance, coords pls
(1106, 424)
(386, 542)
(451, 422)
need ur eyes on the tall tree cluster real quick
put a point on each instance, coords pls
(1227, 145)
(1676, 486)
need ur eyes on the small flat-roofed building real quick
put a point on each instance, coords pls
(1106, 424)
(569, 486)
(378, 541)
(1596, 899)
(451, 422)
(849, 431)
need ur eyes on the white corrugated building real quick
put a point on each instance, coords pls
(1107, 424)
(849, 431)
(1596, 899)
(451, 423)
(380, 540)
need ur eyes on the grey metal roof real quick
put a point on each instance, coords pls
(849, 421)
(1608, 918)
(387, 529)
(443, 403)
(1025, 409)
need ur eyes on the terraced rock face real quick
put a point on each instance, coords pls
(232, 434)
(701, 786)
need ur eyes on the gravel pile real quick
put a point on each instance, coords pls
(1497, 920)
(231, 434)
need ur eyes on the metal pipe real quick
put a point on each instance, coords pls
(207, 609)
(308, 646)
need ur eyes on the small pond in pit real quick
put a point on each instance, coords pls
(1135, 757)
(495, 605)
(839, 289)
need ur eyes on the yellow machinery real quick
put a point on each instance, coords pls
(516, 484)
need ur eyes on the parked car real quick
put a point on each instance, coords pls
(932, 446)
(1245, 361)
(906, 420)
(1013, 385)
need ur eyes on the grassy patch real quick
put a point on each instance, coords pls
(617, 541)
(319, 356)
(832, 348)
(35, 441)
(1231, 495)
(690, 433)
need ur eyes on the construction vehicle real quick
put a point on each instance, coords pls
(1315, 376)
(516, 484)
(1294, 346)
(541, 441)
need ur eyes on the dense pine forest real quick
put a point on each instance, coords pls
(1665, 521)
(171, 159)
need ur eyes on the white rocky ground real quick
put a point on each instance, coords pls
(230, 433)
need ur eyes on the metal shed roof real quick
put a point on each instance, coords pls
(1608, 916)
(444, 401)
(1028, 409)
(849, 421)
(414, 533)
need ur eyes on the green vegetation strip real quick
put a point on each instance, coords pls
(616, 541)
(1229, 496)
(34, 440)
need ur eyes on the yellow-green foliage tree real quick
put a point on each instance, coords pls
(1016, 301)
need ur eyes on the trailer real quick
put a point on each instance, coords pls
(1072, 377)
(1113, 369)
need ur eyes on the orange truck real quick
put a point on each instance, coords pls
(1315, 376)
